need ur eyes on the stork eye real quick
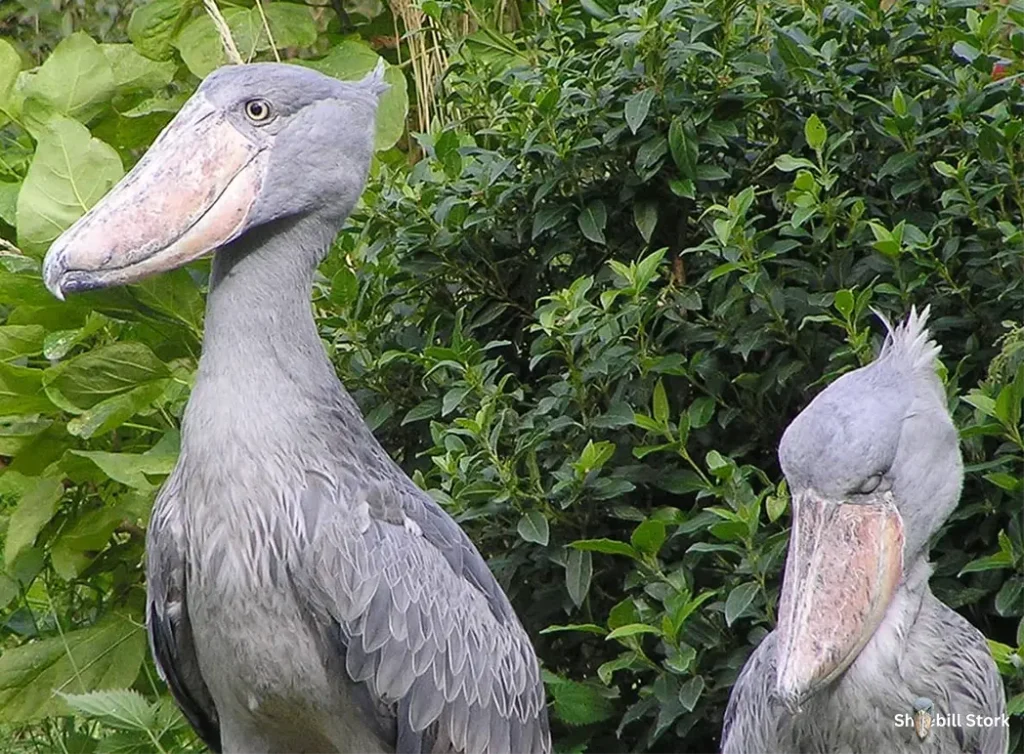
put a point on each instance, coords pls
(257, 110)
(870, 484)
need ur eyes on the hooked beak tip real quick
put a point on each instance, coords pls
(789, 696)
(53, 272)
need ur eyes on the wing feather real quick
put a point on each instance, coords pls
(423, 621)
(170, 632)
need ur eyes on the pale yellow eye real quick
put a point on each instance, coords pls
(258, 110)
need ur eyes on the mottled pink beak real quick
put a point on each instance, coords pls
(189, 194)
(844, 563)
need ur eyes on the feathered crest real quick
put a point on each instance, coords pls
(374, 80)
(909, 345)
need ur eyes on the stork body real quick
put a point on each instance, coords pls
(865, 659)
(304, 596)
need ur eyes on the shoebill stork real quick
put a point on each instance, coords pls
(303, 594)
(863, 649)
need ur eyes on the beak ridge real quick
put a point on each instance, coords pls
(189, 194)
(844, 563)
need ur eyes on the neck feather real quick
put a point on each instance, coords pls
(264, 371)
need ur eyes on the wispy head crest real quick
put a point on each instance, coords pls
(909, 345)
(374, 80)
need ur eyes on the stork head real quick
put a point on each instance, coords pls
(255, 144)
(873, 465)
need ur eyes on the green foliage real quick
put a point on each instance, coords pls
(92, 391)
(582, 321)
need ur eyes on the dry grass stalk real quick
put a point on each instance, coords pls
(270, 37)
(224, 31)
(427, 56)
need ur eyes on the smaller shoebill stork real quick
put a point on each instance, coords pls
(864, 656)
(303, 595)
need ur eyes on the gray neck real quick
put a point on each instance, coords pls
(263, 370)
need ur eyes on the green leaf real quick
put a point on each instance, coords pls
(84, 381)
(351, 60)
(988, 563)
(199, 44)
(690, 692)
(21, 391)
(594, 456)
(547, 218)
(587, 628)
(777, 505)
(112, 413)
(580, 703)
(659, 405)
(21, 340)
(76, 79)
(124, 742)
(608, 546)
(787, 163)
(77, 545)
(131, 468)
(815, 133)
(649, 536)
(632, 629)
(533, 527)
(739, 599)
(71, 170)
(291, 25)
(700, 411)
(645, 216)
(121, 708)
(10, 67)
(173, 294)
(637, 107)
(452, 399)
(1010, 599)
(844, 303)
(107, 655)
(34, 511)
(153, 25)
(592, 221)
(683, 148)
(134, 72)
(578, 570)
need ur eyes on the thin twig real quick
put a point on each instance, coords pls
(224, 31)
(270, 37)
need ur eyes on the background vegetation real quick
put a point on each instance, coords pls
(608, 256)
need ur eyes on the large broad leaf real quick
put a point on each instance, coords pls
(85, 380)
(153, 26)
(175, 295)
(130, 468)
(21, 340)
(71, 170)
(21, 391)
(107, 655)
(350, 61)
(113, 412)
(10, 67)
(16, 433)
(34, 511)
(134, 72)
(76, 80)
(201, 47)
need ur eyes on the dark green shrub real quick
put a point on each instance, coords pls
(642, 245)
(647, 235)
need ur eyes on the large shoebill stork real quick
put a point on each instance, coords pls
(863, 652)
(303, 594)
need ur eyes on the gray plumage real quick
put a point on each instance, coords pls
(881, 429)
(303, 594)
